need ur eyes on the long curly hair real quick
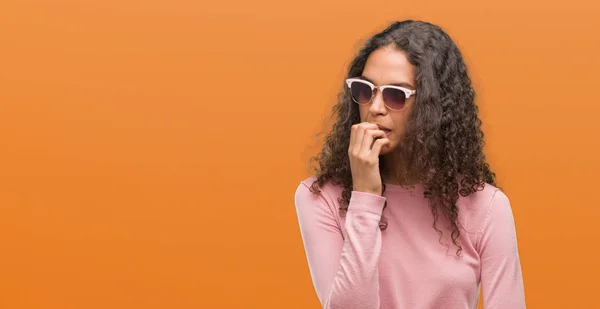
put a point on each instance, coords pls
(443, 142)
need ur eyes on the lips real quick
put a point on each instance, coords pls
(385, 129)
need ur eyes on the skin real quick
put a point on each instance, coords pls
(385, 66)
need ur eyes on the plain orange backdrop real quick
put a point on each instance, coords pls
(150, 150)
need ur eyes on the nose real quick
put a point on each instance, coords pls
(377, 104)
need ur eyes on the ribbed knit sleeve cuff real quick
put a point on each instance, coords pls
(366, 202)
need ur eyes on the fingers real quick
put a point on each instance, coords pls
(370, 136)
(376, 150)
(357, 135)
(353, 133)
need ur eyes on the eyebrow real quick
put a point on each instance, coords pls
(402, 84)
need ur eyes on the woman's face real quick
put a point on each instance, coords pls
(388, 66)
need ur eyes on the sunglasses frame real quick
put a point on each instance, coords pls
(407, 92)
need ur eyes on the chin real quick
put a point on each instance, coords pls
(387, 149)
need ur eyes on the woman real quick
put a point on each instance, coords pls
(403, 211)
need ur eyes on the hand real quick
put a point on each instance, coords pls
(366, 141)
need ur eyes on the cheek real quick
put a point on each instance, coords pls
(363, 110)
(400, 120)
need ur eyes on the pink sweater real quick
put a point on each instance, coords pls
(353, 264)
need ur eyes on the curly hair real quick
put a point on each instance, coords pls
(443, 142)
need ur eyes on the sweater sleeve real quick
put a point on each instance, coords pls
(501, 278)
(344, 271)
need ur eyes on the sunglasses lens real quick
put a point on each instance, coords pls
(361, 92)
(394, 98)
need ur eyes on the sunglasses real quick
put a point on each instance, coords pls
(394, 97)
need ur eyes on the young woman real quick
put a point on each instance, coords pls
(403, 211)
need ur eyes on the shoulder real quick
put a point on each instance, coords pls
(327, 194)
(320, 206)
(328, 191)
(493, 224)
(479, 199)
(482, 206)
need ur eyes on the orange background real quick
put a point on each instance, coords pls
(150, 150)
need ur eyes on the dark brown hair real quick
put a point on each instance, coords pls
(443, 142)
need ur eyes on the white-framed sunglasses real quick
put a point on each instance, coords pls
(394, 97)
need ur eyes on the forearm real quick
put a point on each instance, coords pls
(356, 284)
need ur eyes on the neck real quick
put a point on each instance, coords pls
(397, 171)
